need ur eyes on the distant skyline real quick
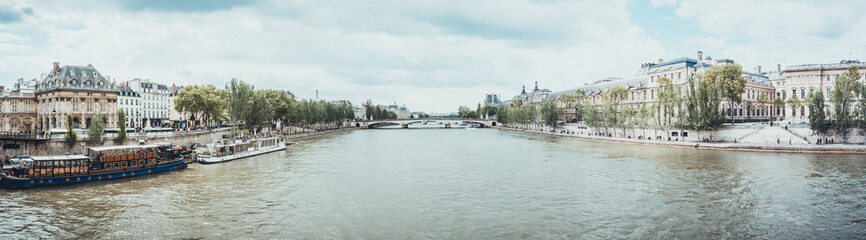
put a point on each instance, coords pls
(429, 55)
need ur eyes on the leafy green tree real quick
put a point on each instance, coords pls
(842, 98)
(96, 129)
(613, 98)
(550, 113)
(204, 102)
(762, 104)
(729, 82)
(591, 116)
(795, 104)
(71, 137)
(779, 104)
(817, 118)
(121, 122)
(503, 114)
(467, 113)
(705, 105)
(517, 103)
(241, 99)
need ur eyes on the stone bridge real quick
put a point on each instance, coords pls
(446, 122)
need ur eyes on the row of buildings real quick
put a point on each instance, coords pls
(643, 87)
(41, 105)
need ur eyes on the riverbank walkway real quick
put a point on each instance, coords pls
(738, 146)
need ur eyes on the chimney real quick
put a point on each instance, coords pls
(56, 66)
(700, 56)
(759, 70)
(660, 61)
(779, 68)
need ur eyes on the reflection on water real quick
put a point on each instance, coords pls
(464, 184)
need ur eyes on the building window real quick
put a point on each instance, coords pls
(27, 106)
(14, 107)
(75, 104)
(828, 78)
(828, 93)
(102, 105)
(802, 93)
(89, 105)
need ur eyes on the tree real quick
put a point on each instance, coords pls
(591, 116)
(762, 104)
(729, 82)
(241, 98)
(503, 114)
(517, 103)
(550, 113)
(613, 97)
(71, 137)
(779, 104)
(795, 103)
(96, 129)
(704, 107)
(466, 113)
(842, 98)
(203, 102)
(121, 122)
(817, 119)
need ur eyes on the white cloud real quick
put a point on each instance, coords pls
(660, 3)
(429, 55)
(787, 32)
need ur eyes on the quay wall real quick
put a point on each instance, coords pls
(57, 146)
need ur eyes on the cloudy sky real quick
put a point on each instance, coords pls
(429, 55)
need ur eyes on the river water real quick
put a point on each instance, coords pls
(462, 184)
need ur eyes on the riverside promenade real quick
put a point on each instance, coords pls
(729, 146)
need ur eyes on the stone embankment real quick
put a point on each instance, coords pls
(57, 146)
(765, 139)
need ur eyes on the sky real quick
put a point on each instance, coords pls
(430, 56)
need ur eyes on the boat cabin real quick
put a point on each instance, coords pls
(52, 166)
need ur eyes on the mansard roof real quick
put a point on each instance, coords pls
(75, 77)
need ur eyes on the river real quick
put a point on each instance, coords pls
(462, 184)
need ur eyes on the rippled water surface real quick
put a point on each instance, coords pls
(463, 184)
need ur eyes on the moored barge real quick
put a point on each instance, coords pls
(100, 163)
(226, 150)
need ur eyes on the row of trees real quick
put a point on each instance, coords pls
(240, 103)
(374, 112)
(846, 111)
(696, 105)
(255, 109)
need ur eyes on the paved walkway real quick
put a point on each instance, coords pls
(740, 146)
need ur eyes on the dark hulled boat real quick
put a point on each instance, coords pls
(100, 163)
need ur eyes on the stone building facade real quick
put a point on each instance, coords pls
(800, 80)
(80, 91)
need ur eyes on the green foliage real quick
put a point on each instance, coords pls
(817, 119)
(467, 113)
(121, 123)
(550, 113)
(96, 129)
(704, 111)
(842, 98)
(795, 104)
(203, 102)
(71, 137)
(778, 103)
(728, 81)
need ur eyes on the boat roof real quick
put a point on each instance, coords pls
(55, 158)
(99, 149)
